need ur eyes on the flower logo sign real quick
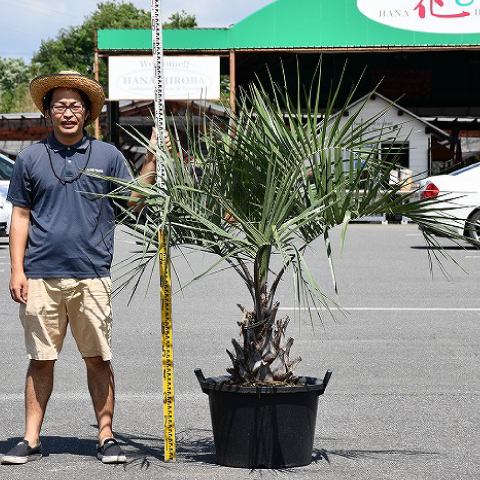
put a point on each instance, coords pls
(432, 16)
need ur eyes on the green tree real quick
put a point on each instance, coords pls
(13, 72)
(181, 20)
(14, 75)
(73, 47)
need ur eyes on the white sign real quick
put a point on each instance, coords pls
(186, 78)
(432, 16)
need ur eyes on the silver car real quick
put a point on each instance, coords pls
(6, 168)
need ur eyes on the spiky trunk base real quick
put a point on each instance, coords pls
(265, 355)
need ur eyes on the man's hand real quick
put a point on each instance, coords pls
(167, 141)
(149, 165)
(18, 287)
(150, 157)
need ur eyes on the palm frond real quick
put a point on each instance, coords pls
(275, 178)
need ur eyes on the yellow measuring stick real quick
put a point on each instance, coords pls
(167, 351)
(164, 256)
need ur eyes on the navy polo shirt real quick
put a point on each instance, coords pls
(71, 226)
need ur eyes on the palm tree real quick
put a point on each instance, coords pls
(274, 178)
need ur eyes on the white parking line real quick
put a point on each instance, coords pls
(393, 309)
(83, 395)
(472, 256)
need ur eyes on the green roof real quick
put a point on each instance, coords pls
(285, 24)
(173, 39)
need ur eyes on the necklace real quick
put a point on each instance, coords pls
(64, 181)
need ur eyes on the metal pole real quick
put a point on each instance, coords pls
(96, 73)
(164, 255)
(233, 80)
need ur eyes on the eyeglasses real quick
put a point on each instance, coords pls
(60, 108)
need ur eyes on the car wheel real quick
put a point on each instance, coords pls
(473, 226)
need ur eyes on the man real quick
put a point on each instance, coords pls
(61, 247)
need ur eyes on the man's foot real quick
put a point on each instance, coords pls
(110, 452)
(22, 453)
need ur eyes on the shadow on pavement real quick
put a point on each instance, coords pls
(321, 454)
(145, 452)
(446, 247)
(58, 445)
(197, 446)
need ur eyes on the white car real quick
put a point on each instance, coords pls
(458, 197)
(6, 168)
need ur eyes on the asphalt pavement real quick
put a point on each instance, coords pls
(403, 402)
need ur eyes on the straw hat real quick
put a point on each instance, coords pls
(41, 85)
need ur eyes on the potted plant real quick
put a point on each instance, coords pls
(275, 177)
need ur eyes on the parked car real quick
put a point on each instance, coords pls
(6, 168)
(458, 194)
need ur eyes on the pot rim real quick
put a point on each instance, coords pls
(305, 384)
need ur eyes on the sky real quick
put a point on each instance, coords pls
(25, 23)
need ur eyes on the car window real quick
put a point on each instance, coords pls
(6, 168)
(465, 169)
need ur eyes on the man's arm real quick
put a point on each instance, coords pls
(18, 244)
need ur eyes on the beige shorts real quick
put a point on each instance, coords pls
(54, 303)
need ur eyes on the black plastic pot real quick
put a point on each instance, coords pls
(264, 427)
